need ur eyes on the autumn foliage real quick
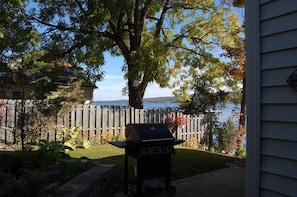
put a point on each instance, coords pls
(237, 69)
(3, 106)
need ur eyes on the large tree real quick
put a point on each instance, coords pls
(17, 34)
(157, 38)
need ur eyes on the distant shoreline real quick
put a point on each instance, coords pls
(147, 104)
(170, 99)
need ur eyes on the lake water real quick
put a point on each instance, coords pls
(222, 116)
(147, 105)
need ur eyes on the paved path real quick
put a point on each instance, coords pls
(226, 182)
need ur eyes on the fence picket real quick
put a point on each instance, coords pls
(116, 120)
(86, 120)
(104, 118)
(92, 123)
(78, 117)
(122, 119)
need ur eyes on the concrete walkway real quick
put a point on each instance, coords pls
(226, 182)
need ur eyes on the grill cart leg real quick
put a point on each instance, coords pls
(167, 182)
(139, 177)
(171, 190)
(139, 184)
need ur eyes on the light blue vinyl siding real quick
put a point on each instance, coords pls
(272, 104)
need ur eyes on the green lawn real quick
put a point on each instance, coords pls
(185, 162)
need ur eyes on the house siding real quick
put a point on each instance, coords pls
(271, 103)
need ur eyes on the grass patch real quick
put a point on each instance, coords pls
(97, 152)
(188, 162)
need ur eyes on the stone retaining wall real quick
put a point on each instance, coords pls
(95, 182)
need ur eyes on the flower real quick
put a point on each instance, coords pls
(181, 120)
(3, 106)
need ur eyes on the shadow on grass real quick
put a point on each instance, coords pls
(185, 163)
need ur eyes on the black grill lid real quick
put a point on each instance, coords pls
(148, 133)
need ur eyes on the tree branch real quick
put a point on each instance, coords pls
(81, 8)
(161, 19)
(187, 6)
(58, 27)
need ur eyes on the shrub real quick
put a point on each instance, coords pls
(72, 138)
(192, 143)
(226, 136)
(27, 173)
(46, 145)
(120, 138)
(13, 162)
(242, 153)
(53, 146)
(95, 140)
(106, 137)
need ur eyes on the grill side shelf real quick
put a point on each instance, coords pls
(124, 144)
(119, 144)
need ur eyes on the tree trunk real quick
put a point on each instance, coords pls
(136, 93)
(242, 117)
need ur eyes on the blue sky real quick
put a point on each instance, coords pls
(111, 87)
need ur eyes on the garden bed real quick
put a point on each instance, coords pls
(36, 173)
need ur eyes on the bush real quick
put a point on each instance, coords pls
(120, 138)
(192, 143)
(226, 136)
(242, 153)
(73, 139)
(27, 173)
(106, 137)
(14, 161)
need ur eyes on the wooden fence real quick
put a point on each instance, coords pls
(94, 120)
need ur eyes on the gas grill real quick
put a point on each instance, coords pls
(152, 146)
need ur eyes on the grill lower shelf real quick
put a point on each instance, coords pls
(148, 167)
(154, 166)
